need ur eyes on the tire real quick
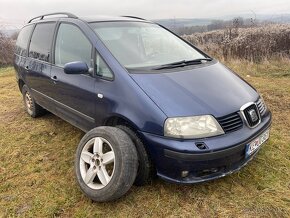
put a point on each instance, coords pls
(145, 167)
(106, 176)
(31, 107)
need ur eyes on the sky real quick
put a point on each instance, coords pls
(17, 12)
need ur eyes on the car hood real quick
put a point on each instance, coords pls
(203, 89)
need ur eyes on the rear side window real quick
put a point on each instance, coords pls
(22, 40)
(72, 45)
(41, 41)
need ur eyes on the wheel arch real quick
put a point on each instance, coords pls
(21, 83)
(117, 119)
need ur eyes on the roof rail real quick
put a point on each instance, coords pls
(69, 15)
(139, 18)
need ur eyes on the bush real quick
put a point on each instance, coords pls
(254, 44)
(6, 50)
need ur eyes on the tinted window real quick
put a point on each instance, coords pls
(41, 41)
(102, 68)
(22, 40)
(71, 45)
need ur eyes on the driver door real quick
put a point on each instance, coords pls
(74, 95)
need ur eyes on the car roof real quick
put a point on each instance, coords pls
(89, 19)
(102, 18)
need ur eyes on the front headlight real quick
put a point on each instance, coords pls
(192, 127)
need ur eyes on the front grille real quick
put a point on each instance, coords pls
(261, 106)
(250, 119)
(231, 122)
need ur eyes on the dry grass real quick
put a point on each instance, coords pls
(37, 156)
(254, 44)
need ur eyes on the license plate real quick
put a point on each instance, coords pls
(256, 143)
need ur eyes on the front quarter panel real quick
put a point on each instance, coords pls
(123, 98)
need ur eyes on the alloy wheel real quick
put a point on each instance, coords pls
(97, 163)
(29, 103)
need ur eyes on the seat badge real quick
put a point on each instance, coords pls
(253, 115)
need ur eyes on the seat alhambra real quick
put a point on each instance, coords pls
(149, 102)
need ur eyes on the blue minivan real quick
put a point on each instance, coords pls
(150, 102)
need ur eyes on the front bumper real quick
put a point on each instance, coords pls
(224, 154)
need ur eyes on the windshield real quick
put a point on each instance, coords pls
(140, 44)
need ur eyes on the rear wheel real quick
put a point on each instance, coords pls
(106, 163)
(32, 108)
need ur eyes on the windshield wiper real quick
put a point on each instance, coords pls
(183, 63)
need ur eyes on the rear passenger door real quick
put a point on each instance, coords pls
(74, 95)
(38, 64)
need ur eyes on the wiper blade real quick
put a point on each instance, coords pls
(183, 63)
(200, 59)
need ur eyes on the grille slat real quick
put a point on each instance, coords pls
(231, 129)
(228, 117)
(231, 122)
(261, 106)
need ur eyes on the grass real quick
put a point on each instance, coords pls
(37, 158)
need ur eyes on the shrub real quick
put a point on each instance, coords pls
(6, 50)
(254, 44)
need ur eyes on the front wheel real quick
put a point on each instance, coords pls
(106, 163)
(146, 169)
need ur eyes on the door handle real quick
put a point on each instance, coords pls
(54, 78)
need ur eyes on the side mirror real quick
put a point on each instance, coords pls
(76, 67)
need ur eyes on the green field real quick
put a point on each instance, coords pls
(37, 160)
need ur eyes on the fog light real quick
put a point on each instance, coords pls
(184, 173)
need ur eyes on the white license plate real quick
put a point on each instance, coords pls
(256, 143)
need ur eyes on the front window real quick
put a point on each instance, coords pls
(141, 44)
(71, 45)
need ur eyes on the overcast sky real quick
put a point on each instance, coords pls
(16, 12)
